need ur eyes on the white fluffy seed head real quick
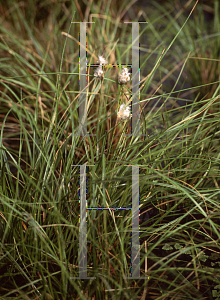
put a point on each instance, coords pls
(125, 70)
(99, 72)
(124, 112)
(102, 61)
(124, 76)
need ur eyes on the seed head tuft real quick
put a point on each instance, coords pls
(124, 76)
(99, 72)
(102, 61)
(124, 112)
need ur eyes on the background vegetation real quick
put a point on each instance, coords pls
(179, 157)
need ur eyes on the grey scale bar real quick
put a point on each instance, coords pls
(83, 85)
(83, 226)
(135, 80)
(135, 248)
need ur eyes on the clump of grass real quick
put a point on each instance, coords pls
(178, 160)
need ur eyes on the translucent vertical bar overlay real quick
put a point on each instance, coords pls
(135, 80)
(135, 248)
(83, 225)
(82, 82)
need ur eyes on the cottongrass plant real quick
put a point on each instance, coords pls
(99, 71)
(41, 154)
